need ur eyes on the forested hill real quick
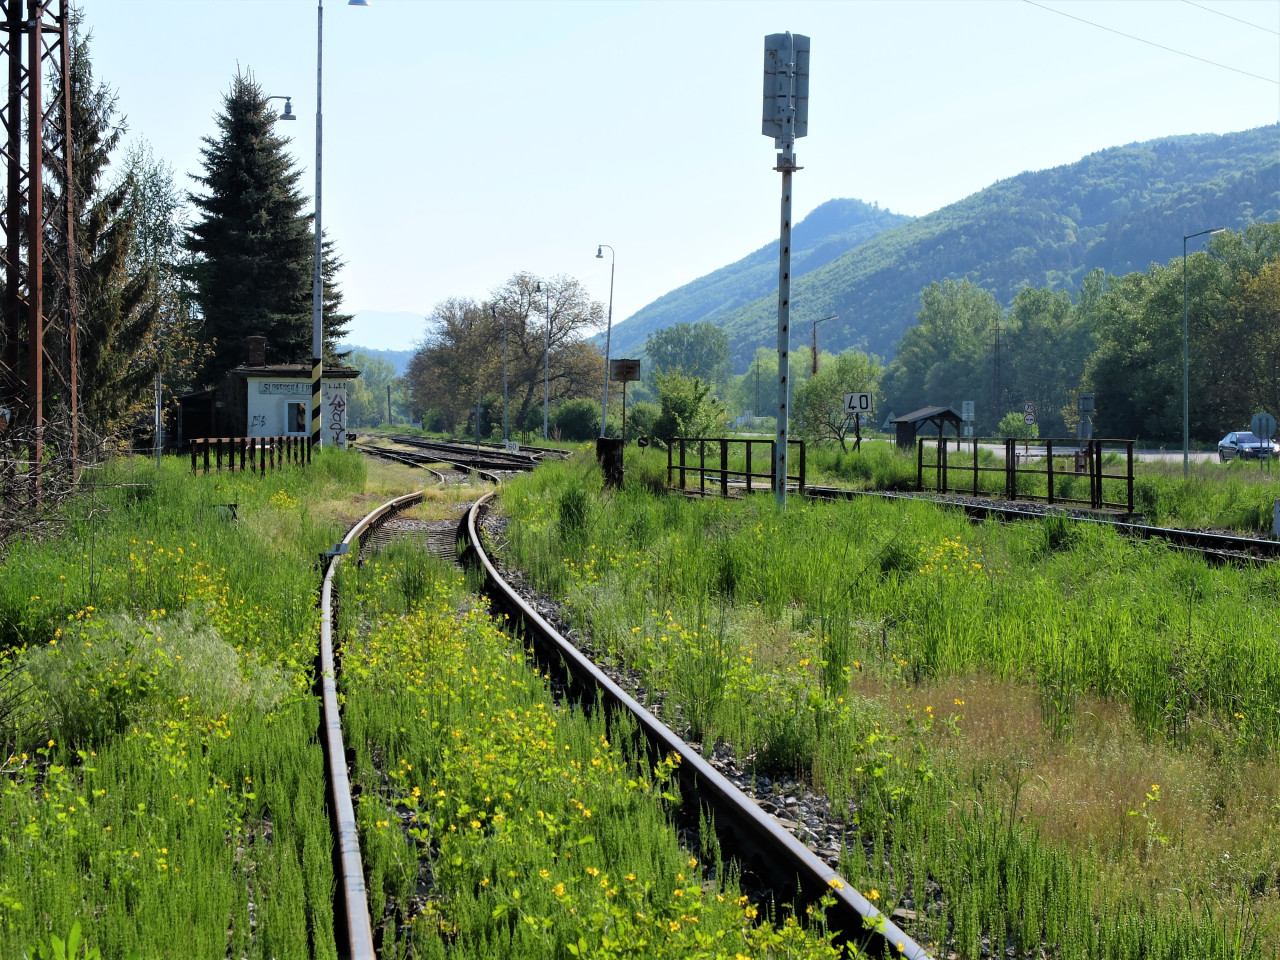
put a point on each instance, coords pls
(828, 232)
(1121, 209)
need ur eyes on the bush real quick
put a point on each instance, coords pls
(576, 420)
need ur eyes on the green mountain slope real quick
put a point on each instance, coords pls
(1121, 209)
(827, 233)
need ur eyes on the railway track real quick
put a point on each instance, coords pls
(749, 835)
(781, 861)
(1218, 547)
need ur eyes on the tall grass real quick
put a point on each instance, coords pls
(800, 608)
(165, 788)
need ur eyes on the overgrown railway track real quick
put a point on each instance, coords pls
(746, 833)
(1217, 547)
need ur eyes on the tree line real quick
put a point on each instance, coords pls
(1119, 338)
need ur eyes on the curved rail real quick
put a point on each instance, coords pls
(749, 827)
(420, 460)
(1221, 545)
(351, 888)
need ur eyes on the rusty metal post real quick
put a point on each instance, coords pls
(218, 454)
(800, 487)
(975, 466)
(724, 462)
(13, 205)
(1048, 446)
(1129, 452)
(68, 149)
(35, 245)
(206, 455)
(1010, 469)
(749, 466)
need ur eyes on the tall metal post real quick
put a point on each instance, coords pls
(786, 117)
(35, 243)
(317, 279)
(546, 368)
(604, 401)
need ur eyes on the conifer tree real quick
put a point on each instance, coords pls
(117, 305)
(252, 242)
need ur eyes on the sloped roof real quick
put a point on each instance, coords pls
(930, 414)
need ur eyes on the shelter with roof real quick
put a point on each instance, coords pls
(257, 399)
(925, 420)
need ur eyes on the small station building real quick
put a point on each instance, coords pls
(257, 399)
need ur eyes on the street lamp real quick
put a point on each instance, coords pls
(493, 310)
(546, 362)
(288, 108)
(317, 281)
(1186, 379)
(814, 365)
(604, 403)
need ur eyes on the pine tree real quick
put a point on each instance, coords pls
(117, 303)
(252, 241)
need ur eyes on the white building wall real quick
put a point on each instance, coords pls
(272, 400)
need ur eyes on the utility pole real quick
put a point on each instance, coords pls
(51, 329)
(786, 117)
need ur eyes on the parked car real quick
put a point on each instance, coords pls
(1243, 444)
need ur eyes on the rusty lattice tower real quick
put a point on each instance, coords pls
(39, 332)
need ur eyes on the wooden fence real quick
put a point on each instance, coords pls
(254, 453)
(1046, 470)
(728, 461)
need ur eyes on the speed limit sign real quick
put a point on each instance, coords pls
(1029, 407)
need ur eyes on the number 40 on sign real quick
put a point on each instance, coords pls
(857, 403)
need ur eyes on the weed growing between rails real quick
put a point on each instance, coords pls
(496, 823)
(783, 634)
(168, 793)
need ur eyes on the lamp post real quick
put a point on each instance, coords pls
(493, 311)
(814, 365)
(317, 278)
(288, 113)
(546, 362)
(1186, 377)
(604, 403)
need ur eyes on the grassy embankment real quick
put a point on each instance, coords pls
(162, 785)
(1049, 735)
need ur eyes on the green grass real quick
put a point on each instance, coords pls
(798, 638)
(163, 785)
(496, 822)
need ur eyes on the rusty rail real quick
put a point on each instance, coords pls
(256, 454)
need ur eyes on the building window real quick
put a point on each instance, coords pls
(296, 420)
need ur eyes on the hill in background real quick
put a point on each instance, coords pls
(1120, 209)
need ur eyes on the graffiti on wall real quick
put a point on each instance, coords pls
(337, 418)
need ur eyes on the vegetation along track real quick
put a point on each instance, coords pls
(774, 854)
(1216, 547)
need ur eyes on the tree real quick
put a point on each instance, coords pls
(694, 349)
(546, 318)
(254, 245)
(118, 292)
(367, 395)
(817, 406)
(688, 407)
(948, 357)
(462, 353)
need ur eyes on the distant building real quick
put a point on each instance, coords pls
(260, 400)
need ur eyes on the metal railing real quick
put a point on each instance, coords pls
(254, 453)
(719, 464)
(1062, 463)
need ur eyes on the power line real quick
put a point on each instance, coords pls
(1152, 43)
(1247, 23)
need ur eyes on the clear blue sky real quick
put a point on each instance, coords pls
(465, 141)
